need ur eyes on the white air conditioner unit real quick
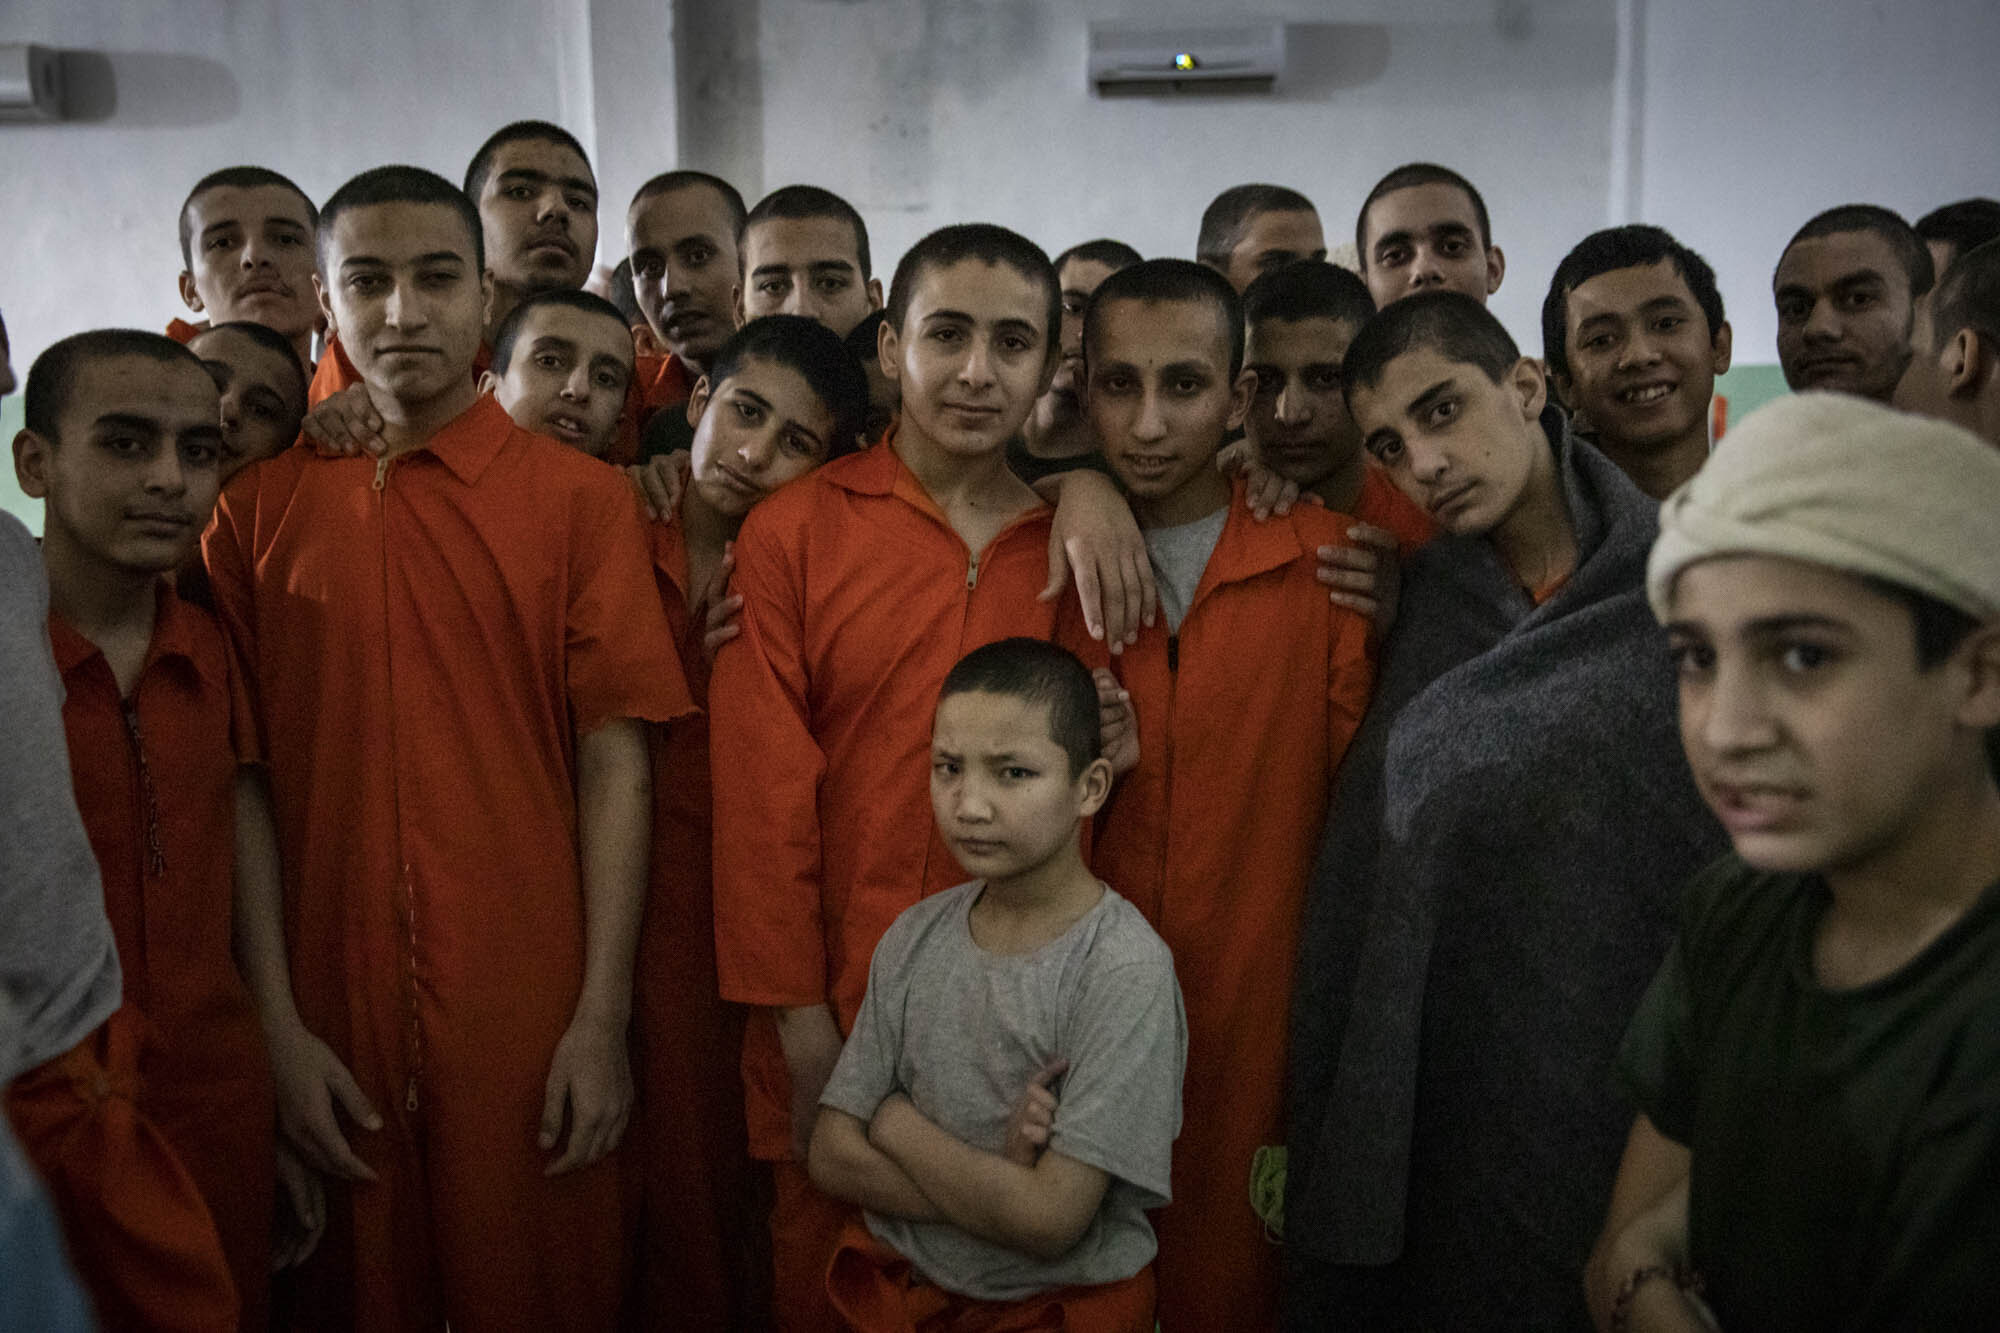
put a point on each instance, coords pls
(30, 83)
(1151, 59)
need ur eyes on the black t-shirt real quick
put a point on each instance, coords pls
(1846, 1142)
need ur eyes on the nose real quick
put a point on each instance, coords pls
(1425, 270)
(1639, 350)
(551, 206)
(166, 475)
(1730, 712)
(399, 308)
(232, 415)
(254, 252)
(673, 281)
(1151, 423)
(1428, 463)
(971, 803)
(576, 389)
(1823, 322)
(1291, 408)
(759, 447)
(976, 370)
(798, 302)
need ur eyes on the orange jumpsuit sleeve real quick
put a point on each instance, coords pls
(1350, 682)
(620, 656)
(767, 766)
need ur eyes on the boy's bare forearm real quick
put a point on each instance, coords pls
(615, 822)
(844, 1164)
(1041, 1210)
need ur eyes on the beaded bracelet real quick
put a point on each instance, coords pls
(1686, 1279)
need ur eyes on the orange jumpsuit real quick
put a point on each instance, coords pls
(425, 638)
(696, 1247)
(133, 1220)
(183, 332)
(875, 1290)
(1243, 717)
(658, 383)
(155, 782)
(858, 599)
(1384, 506)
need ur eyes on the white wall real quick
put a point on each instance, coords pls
(924, 113)
(1758, 115)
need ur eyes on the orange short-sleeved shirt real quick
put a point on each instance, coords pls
(858, 599)
(183, 332)
(425, 638)
(155, 783)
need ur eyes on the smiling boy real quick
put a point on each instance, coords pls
(1634, 335)
(1846, 289)
(822, 705)
(1820, 1046)
(1499, 863)
(247, 254)
(1424, 226)
(453, 651)
(991, 1198)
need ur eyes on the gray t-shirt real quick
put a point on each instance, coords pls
(58, 966)
(961, 1031)
(1180, 555)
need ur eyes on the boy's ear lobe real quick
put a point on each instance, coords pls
(31, 462)
(889, 352)
(874, 293)
(1240, 394)
(1530, 380)
(1981, 707)
(1496, 268)
(487, 289)
(1966, 360)
(698, 401)
(487, 382)
(736, 304)
(325, 305)
(1721, 346)
(1096, 783)
(189, 296)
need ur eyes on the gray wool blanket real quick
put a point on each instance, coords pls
(1495, 887)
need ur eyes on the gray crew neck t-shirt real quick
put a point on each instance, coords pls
(1180, 556)
(961, 1031)
(58, 966)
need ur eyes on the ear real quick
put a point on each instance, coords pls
(698, 401)
(1240, 394)
(325, 306)
(488, 382)
(1094, 788)
(889, 353)
(736, 304)
(643, 341)
(874, 293)
(1721, 346)
(1496, 268)
(189, 296)
(1964, 363)
(1529, 380)
(1979, 708)
(486, 293)
(31, 464)
(1565, 388)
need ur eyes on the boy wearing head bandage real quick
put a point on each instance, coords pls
(1817, 1063)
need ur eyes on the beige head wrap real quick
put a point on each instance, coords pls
(1846, 483)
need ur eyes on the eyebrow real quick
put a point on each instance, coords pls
(1450, 227)
(129, 421)
(1430, 395)
(1768, 626)
(1188, 367)
(432, 257)
(533, 177)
